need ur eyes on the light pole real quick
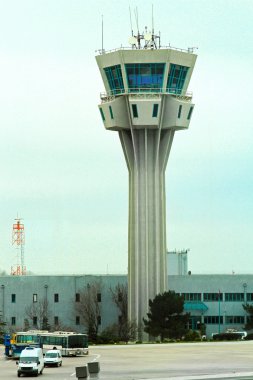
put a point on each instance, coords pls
(245, 300)
(2, 286)
(46, 305)
(245, 292)
(219, 294)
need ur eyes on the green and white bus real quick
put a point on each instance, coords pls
(69, 343)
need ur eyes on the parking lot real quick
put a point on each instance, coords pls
(207, 360)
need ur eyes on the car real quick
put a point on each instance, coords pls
(53, 357)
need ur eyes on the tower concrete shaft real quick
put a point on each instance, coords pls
(146, 152)
(146, 101)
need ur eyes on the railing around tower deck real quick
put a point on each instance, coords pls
(145, 93)
(103, 51)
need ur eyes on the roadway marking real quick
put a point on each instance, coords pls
(243, 375)
(97, 356)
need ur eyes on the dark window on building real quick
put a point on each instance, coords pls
(176, 78)
(77, 297)
(234, 319)
(111, 113)
(189, 113)
(234, 297)
(77, 320)
(155, 110)
(114, 77)
(179, 111)
(102, 114)
(99, 319)
(13, 298)
(249, 297)
(134, 109)
(35, 321)
(13, 321)
(191, 296)
(35, 297)
(213, 320)
(145, 76)
(99, 297)
(56, 297)
(212, 297)
(56, 321)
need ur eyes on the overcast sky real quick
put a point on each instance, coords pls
(66, 176)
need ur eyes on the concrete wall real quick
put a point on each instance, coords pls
(23, 287)
(67, 286)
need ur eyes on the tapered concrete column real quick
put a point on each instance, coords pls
(146, 152)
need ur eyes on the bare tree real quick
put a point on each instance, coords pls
(89, 308)
(60, 326)
(38, 314)
(126, 328)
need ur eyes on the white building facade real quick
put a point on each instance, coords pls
(214, 300)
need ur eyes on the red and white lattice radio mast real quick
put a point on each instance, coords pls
(18, 240)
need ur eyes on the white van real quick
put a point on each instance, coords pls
(53, 357)
(31, 361)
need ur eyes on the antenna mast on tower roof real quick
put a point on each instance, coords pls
(149, 37)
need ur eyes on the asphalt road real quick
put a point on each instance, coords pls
(177, 361)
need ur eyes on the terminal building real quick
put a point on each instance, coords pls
(214, 300)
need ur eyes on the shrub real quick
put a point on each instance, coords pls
(226, 336)
(192, 336)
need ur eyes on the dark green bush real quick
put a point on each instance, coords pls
(249, 337)
(192, 336)
(227, 336)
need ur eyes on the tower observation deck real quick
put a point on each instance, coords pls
(146, 101)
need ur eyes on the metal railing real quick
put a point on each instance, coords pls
(189, 50)
(145, 93)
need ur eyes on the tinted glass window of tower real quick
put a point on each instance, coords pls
(114, 77)
(135, 111)
(176, 78)
(111, 113)
(102, 114)
(145, 76)
(155, 110)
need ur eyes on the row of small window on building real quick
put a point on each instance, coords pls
(56, 320)
(154, 111)
(208, 320)
(216, 319)
(214, 297)
(56, 297)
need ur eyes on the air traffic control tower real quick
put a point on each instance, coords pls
(146, 101)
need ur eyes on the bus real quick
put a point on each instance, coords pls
(20, 340)
(69, 343)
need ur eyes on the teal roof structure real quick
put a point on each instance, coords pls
(195, 306)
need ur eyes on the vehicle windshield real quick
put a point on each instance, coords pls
(29, 359)
(51, 355)
(77, 341)
(27, 339)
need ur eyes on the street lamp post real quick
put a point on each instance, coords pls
(2, 286)
(245, 300)
(219, 294)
